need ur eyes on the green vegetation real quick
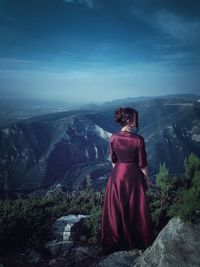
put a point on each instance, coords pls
(176, 195)
(26, 222)
(162, 196)
(187, 201)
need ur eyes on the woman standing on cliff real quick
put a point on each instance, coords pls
(126, 220)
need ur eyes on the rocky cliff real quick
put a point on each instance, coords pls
(66, 147)
(40, 152)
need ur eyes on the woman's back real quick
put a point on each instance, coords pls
(128, 147)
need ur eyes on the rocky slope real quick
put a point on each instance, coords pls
(176, 245)
(66, 147)
(42, 151)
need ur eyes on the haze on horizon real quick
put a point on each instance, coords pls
(98, 50)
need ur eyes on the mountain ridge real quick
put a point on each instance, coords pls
(65, 147)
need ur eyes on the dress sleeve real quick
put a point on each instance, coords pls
(113, 155)
(142, 156)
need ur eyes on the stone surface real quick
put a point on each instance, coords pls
(34, 256)
(119, 259)
(59, 248)
(62, 240)
(61, 229)
(177, 245)
(52, 262)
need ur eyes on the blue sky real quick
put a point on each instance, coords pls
(99, 50)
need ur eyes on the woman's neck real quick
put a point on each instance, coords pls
(126, 128)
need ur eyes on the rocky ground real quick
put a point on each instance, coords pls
(78, 255)
(66, 246)
(177, 244)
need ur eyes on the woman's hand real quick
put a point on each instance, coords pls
(147, 183)
(146, 172)
(146, 177)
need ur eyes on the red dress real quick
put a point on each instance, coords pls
(126, 220)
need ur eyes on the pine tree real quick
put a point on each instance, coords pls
(88, 181)
(187, 205)
(163, 196)
(164, 183)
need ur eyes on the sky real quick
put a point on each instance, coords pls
(98, 50)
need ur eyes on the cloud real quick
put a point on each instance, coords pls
(4, 16)
(19, 64)
(89, 3)
(177, 26)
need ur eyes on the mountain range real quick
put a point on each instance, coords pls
(68, 147)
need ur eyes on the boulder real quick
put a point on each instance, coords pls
(63, 226)
(62, 235)
(177, 245)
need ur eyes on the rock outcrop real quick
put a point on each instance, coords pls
(178, 244)
(63, 234)
(119, 259)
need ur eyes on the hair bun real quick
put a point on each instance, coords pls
(122, 115)
(119, 115)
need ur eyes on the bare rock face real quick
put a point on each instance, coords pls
(62, 234)
(178, 244)
(119, 259)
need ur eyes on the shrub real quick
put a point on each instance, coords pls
(187, 203)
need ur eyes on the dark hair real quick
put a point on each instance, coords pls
(124, 114)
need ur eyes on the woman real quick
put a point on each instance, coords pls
(126, 220)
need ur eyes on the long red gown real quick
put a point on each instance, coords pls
(126, 220)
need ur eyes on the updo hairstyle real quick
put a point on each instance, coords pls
(124, 114)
